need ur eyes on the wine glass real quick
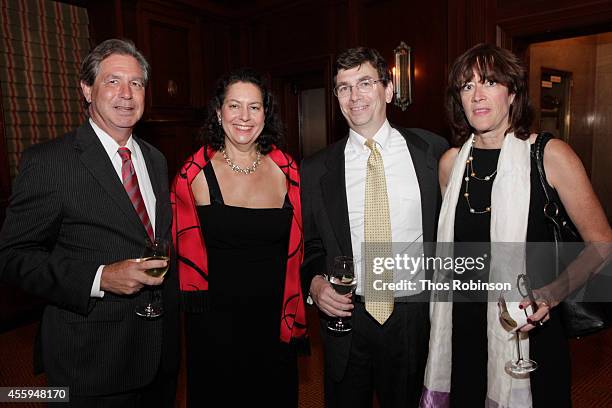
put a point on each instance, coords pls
(522, 366)
(157, 249)
(344, 282)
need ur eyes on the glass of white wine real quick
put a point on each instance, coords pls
(521, 365)
(159, 249)
(344, 282)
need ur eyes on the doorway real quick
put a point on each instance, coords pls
(303, 98)
(570, 86)
(555, 102)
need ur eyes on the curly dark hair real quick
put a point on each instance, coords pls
(354, 57)
(495, 64)
(272, 133)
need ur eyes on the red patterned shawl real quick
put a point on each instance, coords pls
(191, 249)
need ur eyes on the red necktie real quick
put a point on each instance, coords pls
(130, 182)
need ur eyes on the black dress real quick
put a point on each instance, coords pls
(550, 383)
(236, 343)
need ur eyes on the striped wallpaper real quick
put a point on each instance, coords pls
(42, 43)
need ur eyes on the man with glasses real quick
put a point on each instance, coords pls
(378, 184)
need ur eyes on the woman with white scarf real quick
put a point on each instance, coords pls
(492, 194)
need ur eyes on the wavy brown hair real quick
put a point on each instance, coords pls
(492, 63)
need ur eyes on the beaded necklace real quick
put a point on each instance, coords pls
(470, 172)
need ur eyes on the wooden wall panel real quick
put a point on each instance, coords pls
(522, 22)
(216, 40)
(171, 40)
(602, 142)
(291, 44)
(5, 175)
(175, 139)
(106, 19)
(309, 30)
(470, 22)
(293, 34)
(422, 26)
(172, 86)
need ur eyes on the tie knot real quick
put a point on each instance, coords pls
(124, 153)
(371, 144)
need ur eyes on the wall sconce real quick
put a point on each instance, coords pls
(402, 76)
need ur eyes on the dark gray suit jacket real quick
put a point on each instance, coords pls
(69, 214)
(325, 216)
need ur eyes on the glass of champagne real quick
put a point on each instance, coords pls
(159, 249)
(344, 282)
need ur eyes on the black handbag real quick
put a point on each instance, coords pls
(579, 318)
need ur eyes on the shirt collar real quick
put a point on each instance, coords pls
(110, 145)
(381, 137)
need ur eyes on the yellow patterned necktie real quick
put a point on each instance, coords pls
(379, 303)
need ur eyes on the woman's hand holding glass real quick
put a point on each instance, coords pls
(536, 299)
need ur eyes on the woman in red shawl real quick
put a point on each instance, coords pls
(238, 235)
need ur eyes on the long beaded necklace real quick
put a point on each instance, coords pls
(470, 172)
(237, 168)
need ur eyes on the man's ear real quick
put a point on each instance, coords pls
(86, 89)
(389, 92)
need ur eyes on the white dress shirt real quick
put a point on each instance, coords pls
(144, 183)
(402, 190)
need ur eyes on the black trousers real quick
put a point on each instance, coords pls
(160, 393)
(387, 360)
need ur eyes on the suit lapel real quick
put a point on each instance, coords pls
(94, 158)
(333, 188)
(424, 166)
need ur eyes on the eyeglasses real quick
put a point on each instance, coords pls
(364, 86)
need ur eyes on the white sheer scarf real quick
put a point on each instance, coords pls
(509, 214)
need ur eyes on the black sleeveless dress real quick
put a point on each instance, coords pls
(237, 341)
(550, 383)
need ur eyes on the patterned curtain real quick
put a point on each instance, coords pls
(42, 43)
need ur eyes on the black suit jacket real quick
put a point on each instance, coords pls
(69, 213)
(325, 216)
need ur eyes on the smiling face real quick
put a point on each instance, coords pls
(242, 114)
(117, 96)
(365, 113)
(486, 106)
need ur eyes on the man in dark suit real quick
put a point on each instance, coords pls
(81, 210)
(382, 355)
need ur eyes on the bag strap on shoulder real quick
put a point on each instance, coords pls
(553, 208)
(540, 144)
